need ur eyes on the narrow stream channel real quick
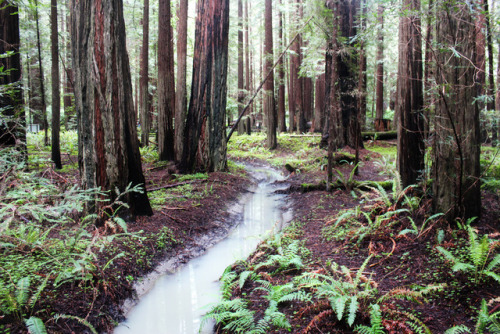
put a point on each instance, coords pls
(177, 301)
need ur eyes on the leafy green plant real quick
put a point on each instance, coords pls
(347, 180)
(232, 315)
(486, 321)
(344, 293)
(288, 257)
(476, 258)
(415, 229)
(375, 322)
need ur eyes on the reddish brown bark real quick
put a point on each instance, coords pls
(241, 78)
(109, 149)
(281, 78)
(166, 83)
(12, 133)
(181, 92)
(269, 102)
(319, 105)
(379, 75)
(56, 94)
(144, 78)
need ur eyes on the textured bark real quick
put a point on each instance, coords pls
(379, 75)
(491, 76)
(294, 76)
(12, 127)
(109, 148)
(363, 77)
(144, 78)
(166, 84)
(429, 68)
(349, 130)
(298, 85)
(281, 78)
(43, 105)
(269, 102)
(248, 85)
(241, 93)
(480, 77)
(56, 93)
(208, 90)
(456, 184)
(409, 106)
(319, 105)
(68, 92)
(181, 91)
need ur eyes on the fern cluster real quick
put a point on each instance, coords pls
(477, 254)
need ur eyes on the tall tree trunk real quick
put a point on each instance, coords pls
(333, 107)
(349, 130)
(109, 154)
(363, 77)
(491, 76)
(144, 78)
(410, 95)
(68, 91)
(456, 184)
(181, 92)
(241, 93)
(166, 93)
(379, 76)
(248, 86)
(45, 123)
(294, 74)
(56, 95)
(13, 131)
(299, 81)
(319, 104)
(429, 68)
(204, 130)
(269, 102)
(281, 77)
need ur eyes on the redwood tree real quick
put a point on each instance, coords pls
(379, 75)
(410, 101)
(207, 105)
(269, 102)
(56, 93)
(12, 125)
(109, 154)
(166, 93)
(181, 91)
(281, 78)
(456, 184)
(144, 78)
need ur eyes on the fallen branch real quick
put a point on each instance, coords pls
(168, 186)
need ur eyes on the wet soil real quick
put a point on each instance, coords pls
(398, 260)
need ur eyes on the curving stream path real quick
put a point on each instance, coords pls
(177, 301)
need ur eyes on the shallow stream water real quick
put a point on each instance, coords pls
(177, 301)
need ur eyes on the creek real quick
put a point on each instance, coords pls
(176, 301)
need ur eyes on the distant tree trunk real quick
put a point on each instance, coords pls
(208, 89)
(181, 93)
(298, 85)
(56, 95)
(12, 127)
(294, 74)
(241, 93)
(379, 76)
(497, 97)
(45, 123)
(480, 77)
(319, 104)
(333, 102)
(248, 85)
(349, 130)
(68, 92)
(109, 154)
(269, 102)
(144, 78)
(491, 76)
(410, 95)
(456, 184)
(166, 93)
(429, 69)
(362, 70)
(281, 78)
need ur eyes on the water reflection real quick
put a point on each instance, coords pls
(176, 303)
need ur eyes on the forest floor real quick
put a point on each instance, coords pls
(362, 244)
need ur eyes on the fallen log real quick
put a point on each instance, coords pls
(321, 186)
(372, 135)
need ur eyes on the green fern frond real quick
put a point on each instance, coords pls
(35, 325)
(493, 263)
(34, 298)
(375, 321)
(447, 254)
(22, 290)
(244, 276)
(80, 320)
(338, 305)
(353, 308)
(417, 324)
(461, 329)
